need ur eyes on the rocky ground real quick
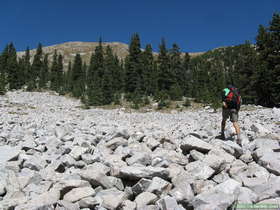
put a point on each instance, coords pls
(55, 155)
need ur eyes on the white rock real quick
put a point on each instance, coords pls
(77, 194)
(145, 198)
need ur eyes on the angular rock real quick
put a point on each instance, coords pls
(183, 193)
(159, 186)
(229, 146)
(62, 131)
(246, 157)
(266, 189)
(135, 173)
(190, 142)
(116, 182)
(2, 188)
(35, 163)
(237, 170)
(114, 143)
(169, 203)
(200, 186)
(151, 142)
(271, 161)
(89, 202)
(141, 186)
(139, 158)
(66, 185)
(111, 198)
(169, 156)
(246, 196)
(77, 151)
(221, 177)
(46, 199)
(99, 167)
(211, 199)
(145, 198)
(197, 155)
(8, 153)
(128, 205)
(228, 158)
(199, 170)
(259, 129)
(67, 205)
(96, 178)
(77, 194)
(230, 186)
(214, 161)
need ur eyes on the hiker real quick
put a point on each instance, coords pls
(231, 104)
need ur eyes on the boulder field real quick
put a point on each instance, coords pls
(56, 156)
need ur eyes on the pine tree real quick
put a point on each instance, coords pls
(109, 77)
(12, 68)
(268, 74)
(165, 76)
(186, 78)
(245, 68)
(68, 77)
(95, 76)
(149, 71)
(133, 70)
(27, 67)
(177, 73)
(274, 61)
(53, 73)
(20, 73)
(59, 74)
(77, 84)
(44, 74)
(36, 68)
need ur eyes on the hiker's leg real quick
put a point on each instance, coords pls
(223, 125)
(225, 114)
(234, 119)
(237, 128)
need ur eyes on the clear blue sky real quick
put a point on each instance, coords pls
(194, 25)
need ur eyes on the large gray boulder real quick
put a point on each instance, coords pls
(141, 186)
(220, 197)
(145, 198)
(96, 178)
(159, 186)
(111, 198)
(266, 189)
(199, 170)
(182, 192)
(8, 153)
(169, 203)
(77, 194)
(138, 172)
(46, 199)
(191, 142)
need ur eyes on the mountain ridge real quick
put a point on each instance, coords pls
(69, 49)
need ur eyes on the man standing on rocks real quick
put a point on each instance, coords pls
(231, 104)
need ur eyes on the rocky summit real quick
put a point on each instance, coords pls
(55, 155)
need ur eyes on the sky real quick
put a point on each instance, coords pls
(196, 26)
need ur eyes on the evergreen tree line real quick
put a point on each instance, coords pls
(254, 69)
(169, 75)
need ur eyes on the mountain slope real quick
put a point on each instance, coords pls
(70, 49)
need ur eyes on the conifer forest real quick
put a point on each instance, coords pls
(142, 75)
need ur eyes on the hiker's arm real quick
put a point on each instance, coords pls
(224, 99)
(224, 104)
